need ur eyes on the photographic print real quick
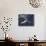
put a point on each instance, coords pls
(26, 19)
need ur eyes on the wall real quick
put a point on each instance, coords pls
(11, 8)
(45, 28)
